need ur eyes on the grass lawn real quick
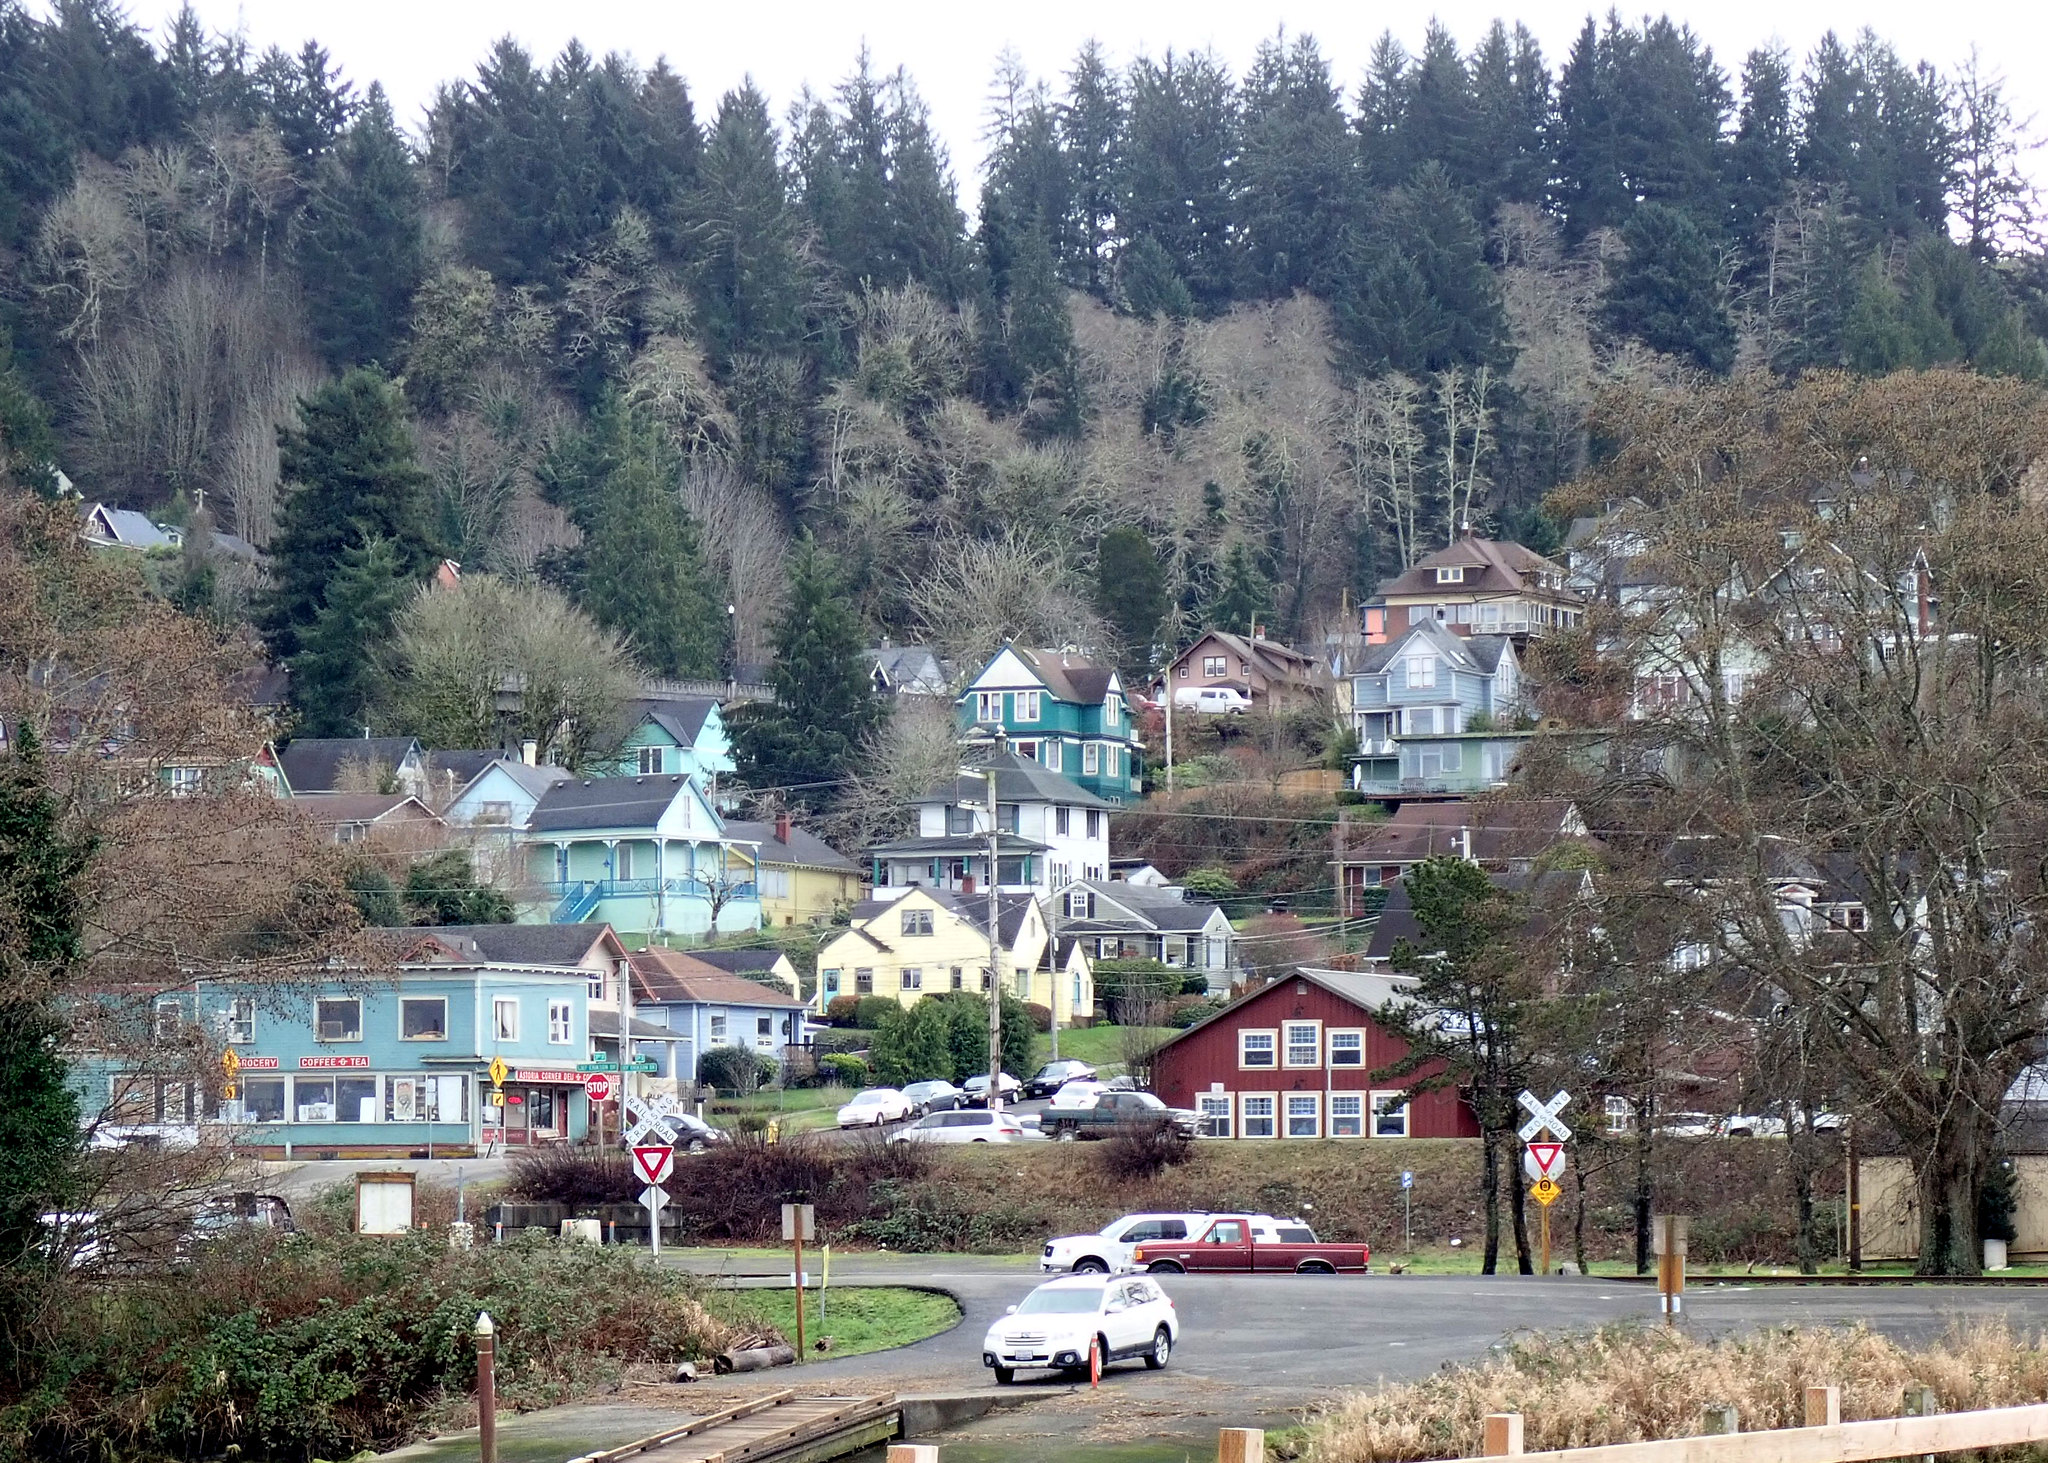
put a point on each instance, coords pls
(1100, 1046)
(800, 1108)
(858, 1318)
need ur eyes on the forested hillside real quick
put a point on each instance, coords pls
(1206, 346)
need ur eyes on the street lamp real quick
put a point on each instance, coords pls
(981, 737)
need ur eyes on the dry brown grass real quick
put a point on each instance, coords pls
(1631, 1384)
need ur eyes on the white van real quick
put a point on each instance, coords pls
(1212, 700)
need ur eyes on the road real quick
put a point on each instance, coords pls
(1261, 1347)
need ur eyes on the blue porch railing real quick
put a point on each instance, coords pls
(579, 899)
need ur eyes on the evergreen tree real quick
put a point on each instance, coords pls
(1091, 130)
(506, 167)
(443, 890)
(374, 895)
(1030, 183)
(1880, 132)
(1297, 175)
(362, 252)
(1383, 134)
(1039, 336)
(41, 917)
(1511, 119)
(1667, 291)
(1760, 163)
(337, 679)
(307, 102)
(28, 447)
(1148, 286)
(1245, 593)
(1180, 144)
(352, 475)
(825, 704)
(1130, 591)
(1876, 339)
(1440, 124)
(1589, 191)
(747, 270)
(1417, 294)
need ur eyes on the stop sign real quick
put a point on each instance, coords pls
(598, 1088)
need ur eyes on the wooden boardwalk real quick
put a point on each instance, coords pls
(781, 1426)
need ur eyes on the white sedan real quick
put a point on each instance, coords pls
(1120, 1316)
(874, 1107)
(1079, 1093)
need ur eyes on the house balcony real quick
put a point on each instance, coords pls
(666, 906)
(1447, 784)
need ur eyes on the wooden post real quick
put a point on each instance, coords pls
(1236, 1445)
(1920, 1402)
(1503, 1434)
(1718, 1417)
(486, 1388)
(798, 1242)
(1546, 1237)
(1855, 1203)
(1823, 1406)
(913, 1453)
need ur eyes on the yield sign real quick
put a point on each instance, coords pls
(1544, 1160)
(653, 1164)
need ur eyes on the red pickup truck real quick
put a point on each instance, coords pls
(1227, 1245)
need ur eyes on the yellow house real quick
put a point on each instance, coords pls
(921, 940)
(801, 879)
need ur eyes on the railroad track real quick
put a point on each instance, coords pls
(782, 1427)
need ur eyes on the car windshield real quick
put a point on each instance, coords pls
(1060, 1302)
(869, 1099)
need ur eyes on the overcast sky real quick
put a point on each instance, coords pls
(950, 49)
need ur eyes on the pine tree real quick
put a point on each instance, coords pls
(41, 918)
(1130, 590)
(353, 477)
(1440, 124)
(1511, 118)
(337, 678)
(1417, 295)
(1180, 143)
(825, 705)
(1589, 191)
(1667, 291)
(1297, 177)
(506, 166)
(1091, 128)
(363, 252)
(307, 102)
(1148, 286)
(1760, 162)
(1039, 337)
(1382, 116)
(747, 269)
(1245, 594)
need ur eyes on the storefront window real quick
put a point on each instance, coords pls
(314, 1099)
(263, 1100)
(355, 1099)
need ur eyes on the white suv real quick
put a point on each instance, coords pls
(1063, 1321)
(1110, 1249)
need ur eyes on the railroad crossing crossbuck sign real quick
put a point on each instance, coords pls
(652, 1117)
(1544, 1117)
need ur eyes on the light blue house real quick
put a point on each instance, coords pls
(496, 791)
(645, 854)
(705, 1008)
(683, 734)
(349, 1063)
(1064, 711)
(1435, 713)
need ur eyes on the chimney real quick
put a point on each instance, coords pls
(529, 752)
(782, 827)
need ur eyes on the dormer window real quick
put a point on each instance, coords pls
(1451, 574)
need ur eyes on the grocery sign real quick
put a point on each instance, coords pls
(258, 1064)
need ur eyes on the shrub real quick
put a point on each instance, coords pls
(845, 1068)
(735, 1069)
(1187, 1010)
(843, 1010)
(1142, 1150)
(853, 1039)
(1041, 1016)
(1194, 983)
(566, 1176)
(1211, 883)
(870, 1010)
(735, 1192)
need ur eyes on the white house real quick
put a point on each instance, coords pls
(1050, 832)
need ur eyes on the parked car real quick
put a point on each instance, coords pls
(1212, 700)
(874, 1107)
(1111, 1247)
(1078, 1094)
(1109, 1111)
(1056, 1325)
(1688, 1125)
(1049, 1078)
(975, 1089)
(694, 1135)
(965, 1127)
(1751, 1125)
(1230, 1244)
(933, 1096)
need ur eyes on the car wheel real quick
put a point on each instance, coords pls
(1068, 1135)
(1005, 1375)
(1317, 1267)
(978, 1140)
(696, 1145)
(1090, 1266)
(1166, 1267)
(1162, 1348)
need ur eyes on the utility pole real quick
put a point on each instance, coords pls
(1169, 728)
(995, 973)
(1052, 963)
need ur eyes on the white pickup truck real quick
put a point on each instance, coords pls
(1110, 1249)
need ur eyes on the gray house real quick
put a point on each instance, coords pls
(1113, 919)
(1433, 712)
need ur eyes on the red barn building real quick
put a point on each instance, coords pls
(1295, 1059)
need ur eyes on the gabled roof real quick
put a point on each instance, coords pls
(1370, 992)
(531, 779)
(609, 802)
(1501, 568)
(1068, 674)
(801, 847)
(563, 946)
(1011, 910)
(1544, 891)
(682, 717)
(1479, 654)
(330, 809)
(311, 764)
(1019, 780)
(1276, 659)
(124, 526)
(1155, 908)
(666, 976)
(908, 665)
(739, 962)
(460, 768)
(1490, 831)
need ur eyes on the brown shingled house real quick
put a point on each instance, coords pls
(1477, 587)
(1504, 837)
(1271, 675)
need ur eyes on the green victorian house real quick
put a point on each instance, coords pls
(1063, 710)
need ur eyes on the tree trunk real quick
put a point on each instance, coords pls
(1490, 1142)
(1800, 1145)
(1518, 1210)
(1579, 1220)
(1948, 1172)
(1646, 1119)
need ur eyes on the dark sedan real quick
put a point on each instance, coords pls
(1051, 1077)
(934, 1096)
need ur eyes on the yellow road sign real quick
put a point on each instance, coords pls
(230, 1064)
(228, 1091)
(498, 1070)
(1545, 1192)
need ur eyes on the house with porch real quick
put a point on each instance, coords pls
(1063, 710)
(645, 854)
(910, 944)
(1050, 831)
(1114, 919)
(1436, 713)
(802, 879)
(1477, 586)
(704, 1009)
